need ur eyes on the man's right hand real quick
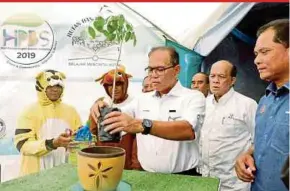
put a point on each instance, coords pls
(62, 140)
(95, 109)
(245, 167)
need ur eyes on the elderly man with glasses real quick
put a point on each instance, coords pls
(165, 120)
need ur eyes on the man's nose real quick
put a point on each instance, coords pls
(257, 60)
(214, 80)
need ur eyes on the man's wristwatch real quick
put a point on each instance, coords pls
(49, 145)
(147, 125)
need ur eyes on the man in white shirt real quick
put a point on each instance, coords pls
(165, 120)
(200, 81)
(228, 127)
(147, 86)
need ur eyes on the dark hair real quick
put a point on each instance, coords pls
(281, 28)
(144, 80)
(234, 71)
(174, 56)
(206, 76)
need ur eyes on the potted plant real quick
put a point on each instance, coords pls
(100, 168)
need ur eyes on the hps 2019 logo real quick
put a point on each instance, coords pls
(27, 40)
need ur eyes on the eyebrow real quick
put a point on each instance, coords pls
(263, 48)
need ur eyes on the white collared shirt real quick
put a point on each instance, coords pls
(227, 131)
(127, 101)
(157, 154)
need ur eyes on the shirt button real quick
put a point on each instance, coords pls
(271, 117)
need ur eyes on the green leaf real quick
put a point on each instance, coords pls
(106, 33)
(133, 36)
(135, 42)
(120, 29)
(127, 36)
(129, 27)
(112, 26)
(99, 23)
(92, 32)
(111, 37)
(121, 37)
(121, 20)
(118, 38)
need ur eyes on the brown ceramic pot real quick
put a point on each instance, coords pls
(100, 168)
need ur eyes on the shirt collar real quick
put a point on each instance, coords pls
(273, 88)
(224, 98)
(175, 91)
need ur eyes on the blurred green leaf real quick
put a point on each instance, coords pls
(133, 36)
(118, 37)
(112, 26)
(99, 23)
(127, 36)
(121, 20)
(129, 27)
(134, 41)
(106, 33)
(111, 37)
(120, 29)
(115, 28)
(92, 32)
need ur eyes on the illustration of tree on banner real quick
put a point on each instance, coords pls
(116, 29)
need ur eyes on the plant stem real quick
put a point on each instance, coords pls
(115, 74)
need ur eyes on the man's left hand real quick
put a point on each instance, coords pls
(117, 121)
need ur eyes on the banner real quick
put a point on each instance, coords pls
(35, 37)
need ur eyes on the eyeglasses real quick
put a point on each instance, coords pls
(158, 70)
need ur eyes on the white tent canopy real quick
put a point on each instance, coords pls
(184, 22)
(222, 28)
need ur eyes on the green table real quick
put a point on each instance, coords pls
(63, 177)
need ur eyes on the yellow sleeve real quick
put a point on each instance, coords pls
(77, 123)
(26, 138)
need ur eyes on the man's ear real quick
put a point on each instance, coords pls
(38, 76)
(177, 70)
(234, 79)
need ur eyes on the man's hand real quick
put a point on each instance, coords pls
(95, 109)
(117, 121)
(62, 140)
(245, 167)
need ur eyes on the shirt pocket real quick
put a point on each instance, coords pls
(232, 126)
(174, 115)
(146, 114)
(280, 137)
